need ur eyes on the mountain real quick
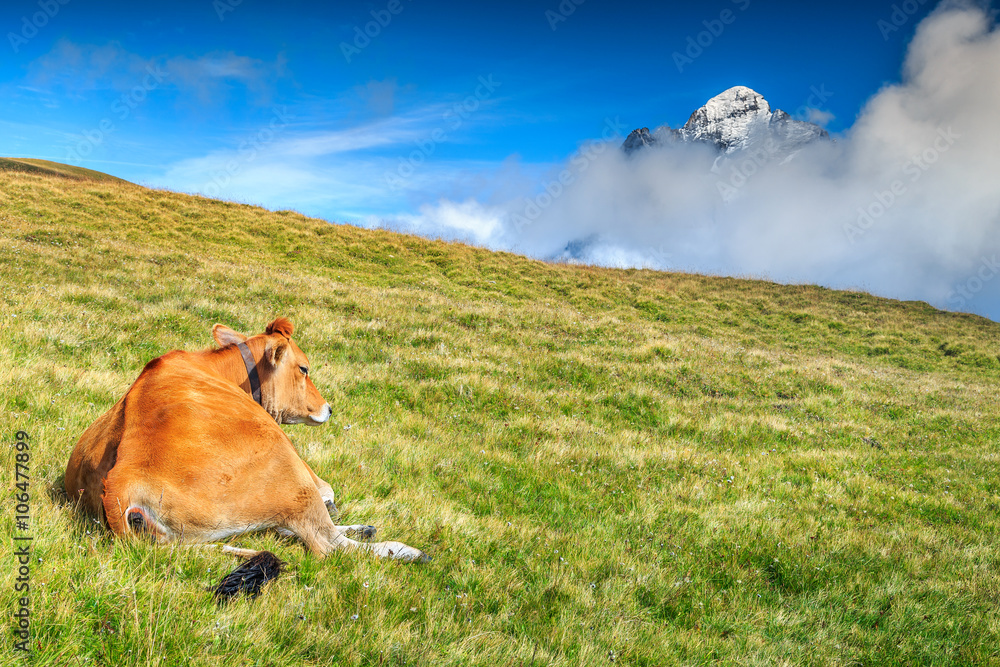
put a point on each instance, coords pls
(735, 120)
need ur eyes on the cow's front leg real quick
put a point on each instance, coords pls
(396, 550)
(316, 529)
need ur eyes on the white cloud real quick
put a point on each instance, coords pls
(467, 221)
(820, 117)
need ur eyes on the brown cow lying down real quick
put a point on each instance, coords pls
(193, 451)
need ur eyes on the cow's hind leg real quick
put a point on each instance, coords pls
(358, 530)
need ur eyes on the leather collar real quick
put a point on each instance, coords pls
(251, 371)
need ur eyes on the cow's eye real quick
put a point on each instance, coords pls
(305, 371)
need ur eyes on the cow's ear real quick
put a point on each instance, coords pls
(224, 336)
(280, 326)
(275, 352)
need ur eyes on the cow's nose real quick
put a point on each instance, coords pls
(324, 414)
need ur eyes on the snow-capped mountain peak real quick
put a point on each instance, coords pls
(734, 120)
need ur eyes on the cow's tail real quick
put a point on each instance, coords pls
(250, 577)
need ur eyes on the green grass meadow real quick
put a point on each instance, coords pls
(609, 467)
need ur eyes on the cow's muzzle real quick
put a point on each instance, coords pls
(323, 416)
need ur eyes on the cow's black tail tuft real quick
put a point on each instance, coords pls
(249, 577)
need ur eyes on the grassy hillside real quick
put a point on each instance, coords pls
(607, 466)
(45, 167)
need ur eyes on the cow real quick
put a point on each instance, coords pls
(193, 452)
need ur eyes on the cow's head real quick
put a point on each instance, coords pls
(286, 391)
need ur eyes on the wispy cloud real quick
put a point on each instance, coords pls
(394, 131)
(204, 75)
(340, 172)
(77, 68)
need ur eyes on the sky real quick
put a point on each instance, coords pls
(447, 118)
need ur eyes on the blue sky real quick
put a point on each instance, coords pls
(263, 103)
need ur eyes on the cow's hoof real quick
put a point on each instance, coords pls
(411, 555)
(362, 532)
(399, 551)
(332, 509)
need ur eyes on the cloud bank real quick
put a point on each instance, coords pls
(905, 204)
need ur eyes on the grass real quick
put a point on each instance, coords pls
(608, 466)
(34, 166)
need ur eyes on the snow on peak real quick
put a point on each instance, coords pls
(732, 120)
(737, 95)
